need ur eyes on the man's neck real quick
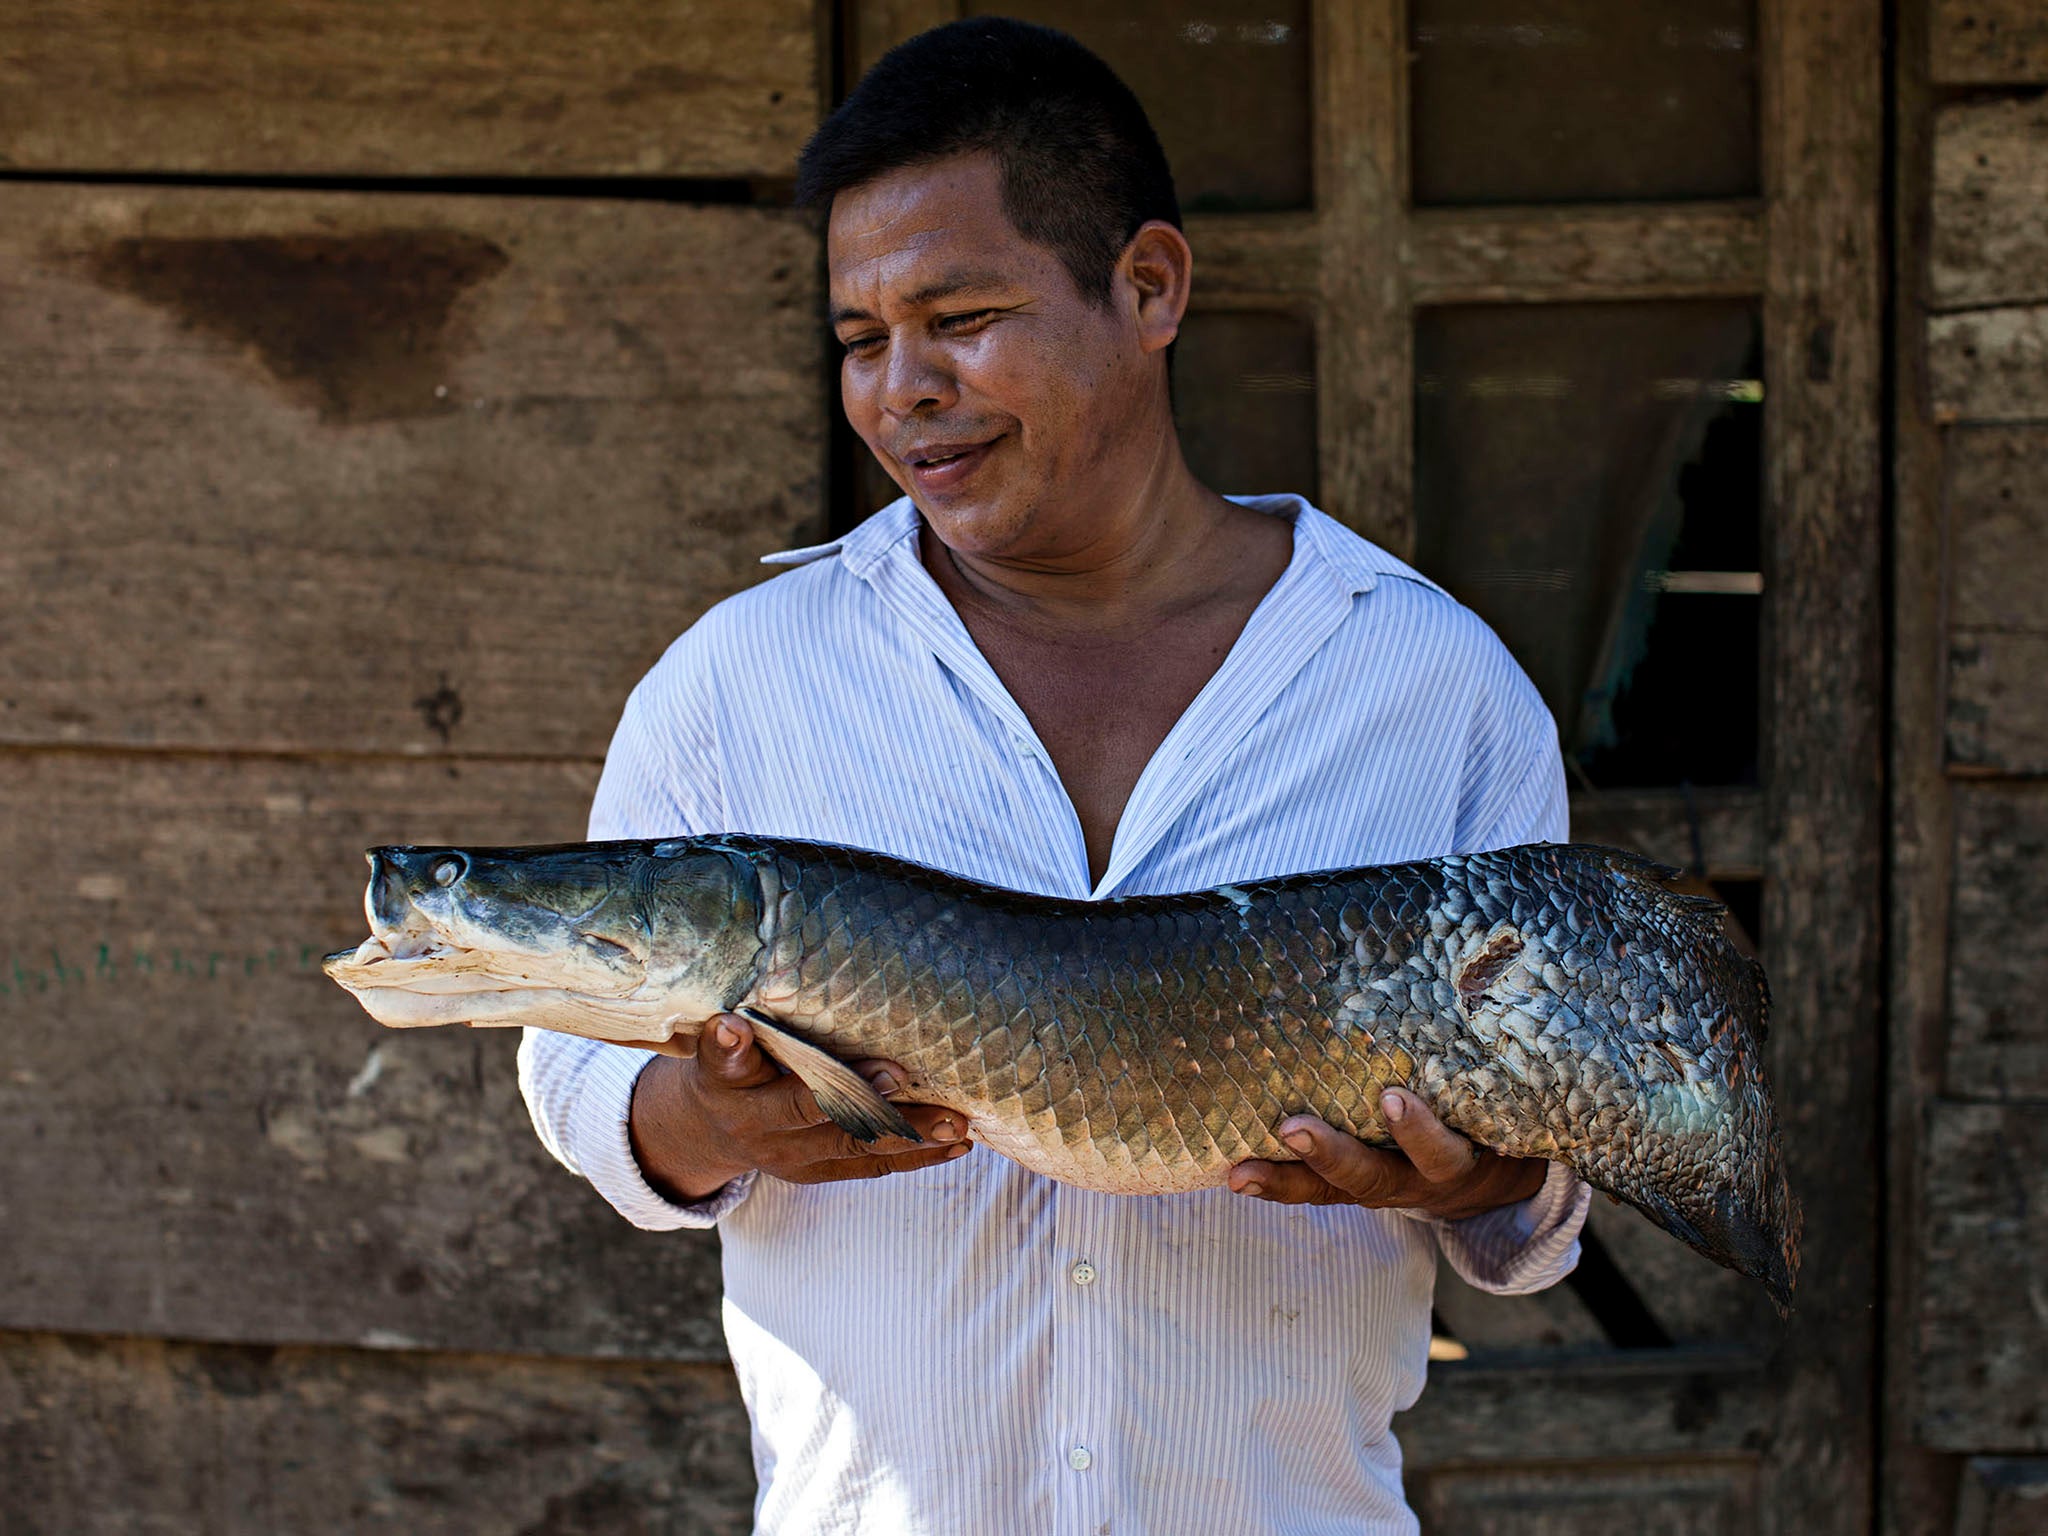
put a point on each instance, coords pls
(1164, 550)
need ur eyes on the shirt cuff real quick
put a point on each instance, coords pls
(604, 1151)
(1523, 1247)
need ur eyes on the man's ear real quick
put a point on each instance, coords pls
(1157, 273)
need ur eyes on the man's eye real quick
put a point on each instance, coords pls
(967, 322)
(861, 346)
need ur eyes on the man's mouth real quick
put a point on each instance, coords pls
(943, 466)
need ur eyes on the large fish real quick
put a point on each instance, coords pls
(1548, 1001)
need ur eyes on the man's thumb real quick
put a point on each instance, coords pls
(726, 1051)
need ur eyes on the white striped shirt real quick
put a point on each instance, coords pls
(970, 1349)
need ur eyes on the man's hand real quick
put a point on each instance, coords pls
(714, 1108)
(1436, 1171)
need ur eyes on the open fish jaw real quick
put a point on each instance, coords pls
(1553, 1001)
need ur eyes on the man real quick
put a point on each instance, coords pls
(1063, 665)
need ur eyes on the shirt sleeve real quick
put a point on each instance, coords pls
(659, 781)
(1534, 1244)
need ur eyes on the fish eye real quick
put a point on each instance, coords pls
(448, 870)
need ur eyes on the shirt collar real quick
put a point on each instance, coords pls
(1355, 562)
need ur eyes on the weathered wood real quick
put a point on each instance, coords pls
(135, 1437)
(1365, 333)
(1488, 1325)
(1989, 365)
(1988, 42)
(1998, 964)
(2003, 1496)
(1989, 205)
(1998, 527)
(220, 1144)
(293, 471)
(1983, 1325)
(1728, 824)
(1997, 709)
(1489, 255)
(454, 87)
(1916, 1486)
(1823, 89)
(1566, 1407)
(1254, 260)
(1694, 1300)
(1621, 1499)
(1997, 495)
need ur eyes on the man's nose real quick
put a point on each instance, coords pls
(918, 378)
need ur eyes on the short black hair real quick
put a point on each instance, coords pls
(1081, 167)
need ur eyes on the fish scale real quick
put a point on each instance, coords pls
(1558, 1001)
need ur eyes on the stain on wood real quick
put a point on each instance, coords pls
(136, 1437)
(224, 1145)
(281, 465)
(1612, 1499)
(1983, 1316)
(356, 323)
(454, 88)
(1989, 365)
(1988, 241)
(2003, 1496)
(1998, 1028)
(1987, 42)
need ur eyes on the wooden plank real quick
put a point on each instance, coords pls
(2003, 1496)
(1915, 1485)
(452, 88)
(1565, 1407)
(1365, 333)
(1493, 255)
(1998, 968)
(1489, 1325)
(1997, 709)
(1983, 1317)
(1823, 91)
(1695, 1301)
(1989, 365)
(1720, 830)
(1615, 1499)
(135, 1437)
(329, 472)
(1998, 527)
(1989, 205)
(1988, 42)
(222, 1145)
(1998, 643)
(1255, 260)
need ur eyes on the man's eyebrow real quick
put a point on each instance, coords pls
(962, 281)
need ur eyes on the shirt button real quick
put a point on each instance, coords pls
(1080, 1458)
(1083, 1273)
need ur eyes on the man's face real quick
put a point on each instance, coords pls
(1010, 408)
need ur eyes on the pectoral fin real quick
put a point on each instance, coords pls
(846, 1097)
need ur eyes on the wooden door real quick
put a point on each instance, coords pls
(1575, 302)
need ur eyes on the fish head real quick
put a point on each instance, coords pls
(620, 940)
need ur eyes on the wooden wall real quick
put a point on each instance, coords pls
(344, 506)
(1968, 1323)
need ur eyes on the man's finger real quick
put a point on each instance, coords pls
(1365, 1174)
(729, 1057)
(874, 1166)
(1439, 1153)
(1285, 1184)
(827, 1142)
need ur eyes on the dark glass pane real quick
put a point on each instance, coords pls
(1588, 477)
(1244, 393)
(1543, 101)
(1226, 84)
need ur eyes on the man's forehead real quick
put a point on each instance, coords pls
(925, 225)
